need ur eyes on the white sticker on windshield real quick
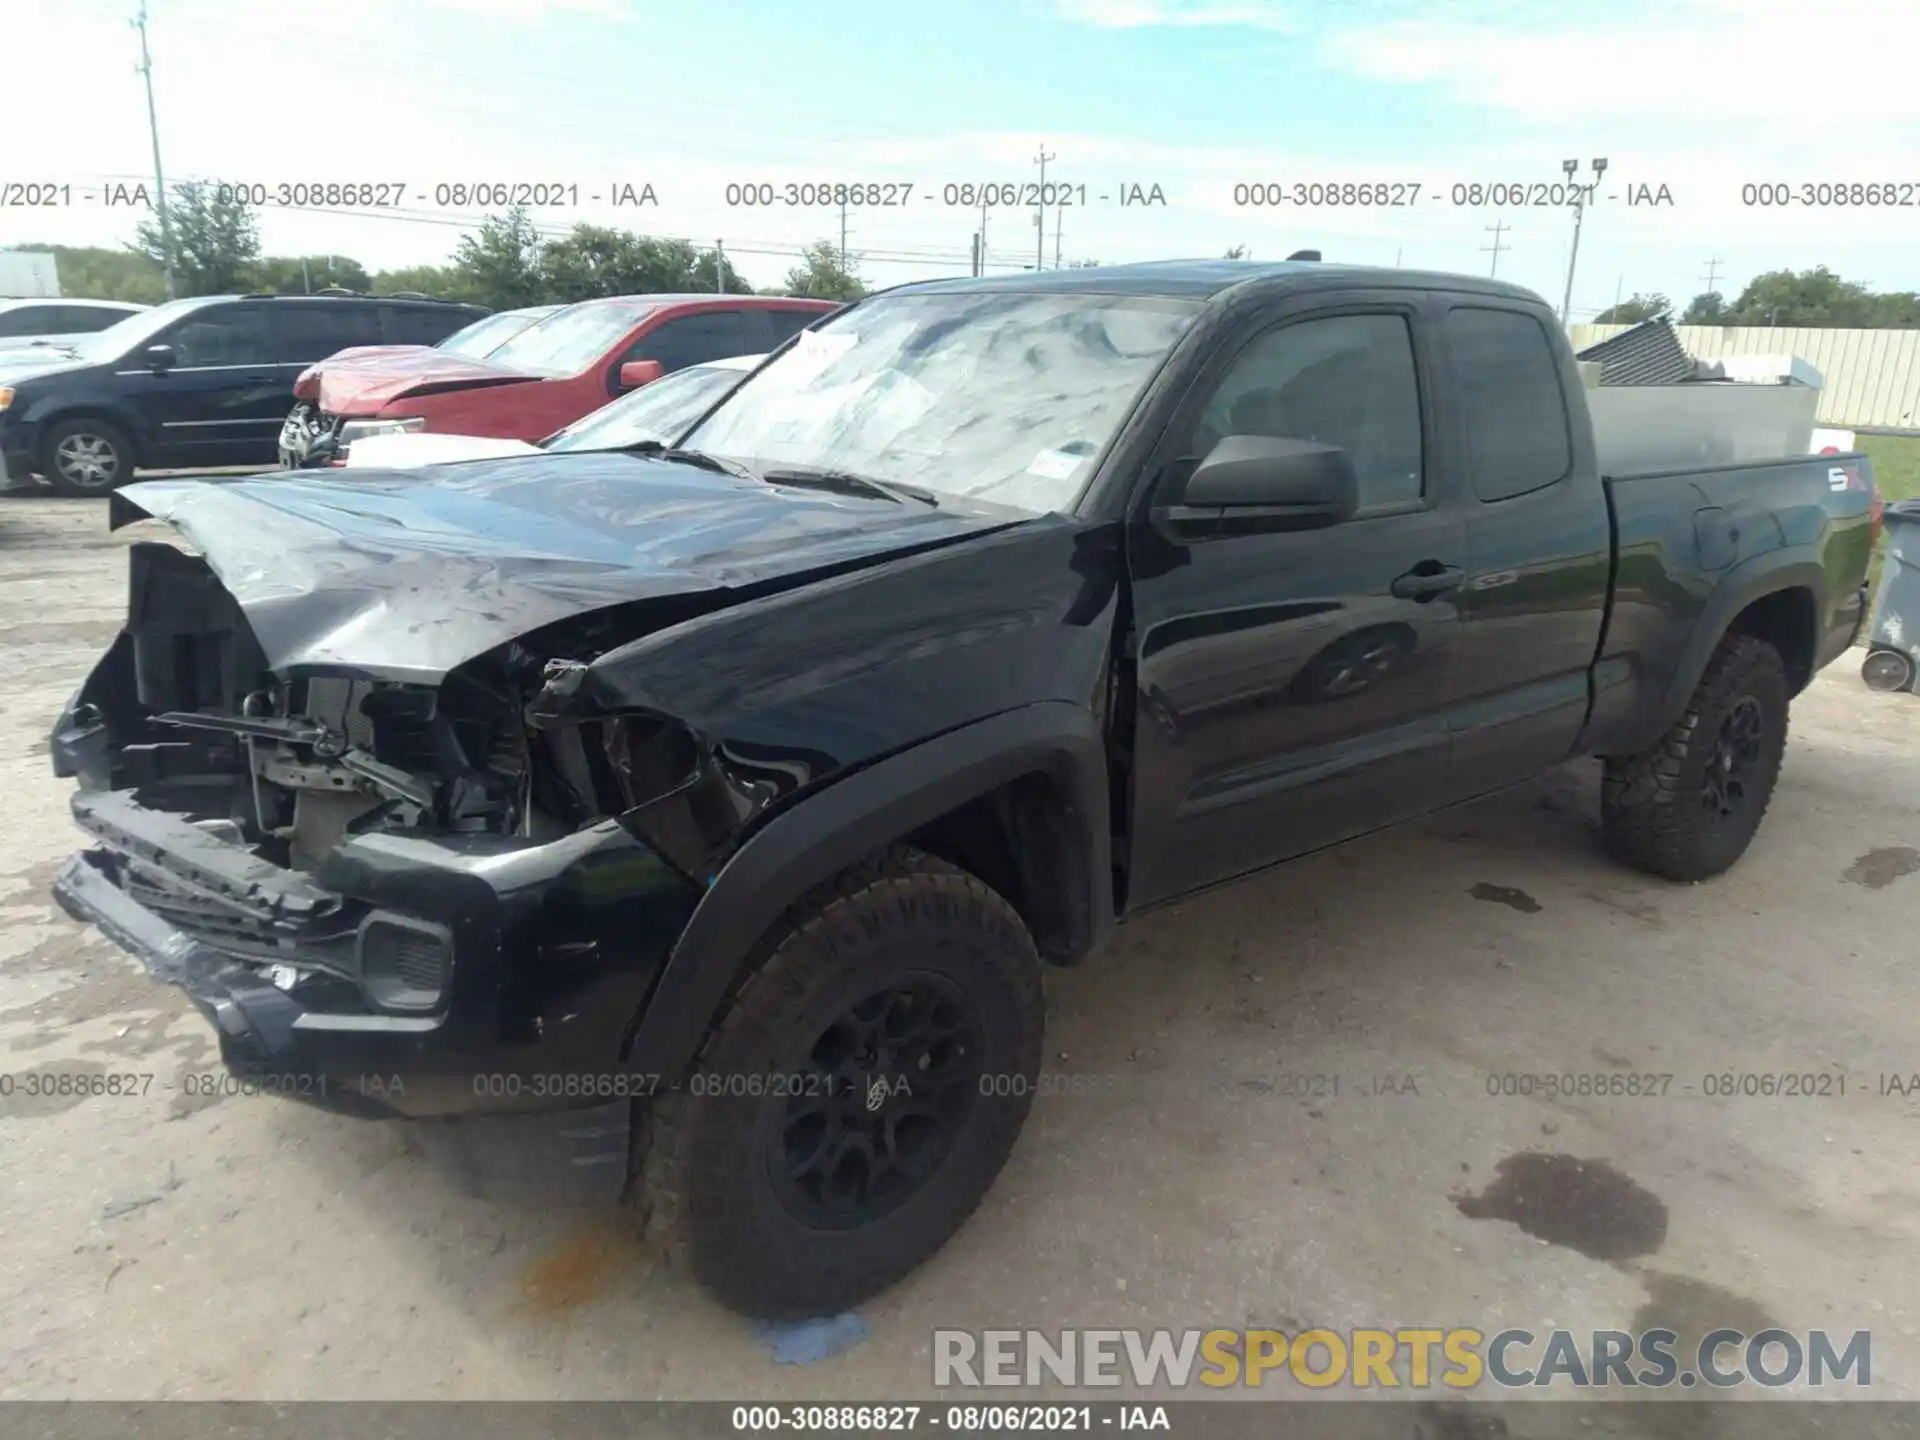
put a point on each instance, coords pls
(814, 351)
(1056, 464)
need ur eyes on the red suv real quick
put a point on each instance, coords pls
(547, 376)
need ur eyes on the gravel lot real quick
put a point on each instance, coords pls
(173, 1246)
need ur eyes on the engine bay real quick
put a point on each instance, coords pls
(290, 766)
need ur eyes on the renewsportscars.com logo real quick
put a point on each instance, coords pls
(1460, 1359)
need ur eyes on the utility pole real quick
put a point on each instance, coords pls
(979, 255)
(1580, 193)
(1713, 276)
(1396, 256)
(1040, 209)
(139, 22)
(306, 280)
(1058, 217)
(1497, 229)
(843, 232)
(720, 266)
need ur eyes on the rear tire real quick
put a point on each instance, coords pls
(858, 1096)
(86, 457)
(1687, 807)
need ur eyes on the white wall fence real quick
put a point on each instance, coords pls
(1871, 377)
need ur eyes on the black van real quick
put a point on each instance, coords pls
(190, 383)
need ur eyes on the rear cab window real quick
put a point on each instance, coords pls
(1513, 408)
(698, 338)
(783, 325)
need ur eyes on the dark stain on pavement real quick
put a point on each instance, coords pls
(1510, 895)
(584, 1269)
(1584, 1205)
(43, 1090)
(1693, 1309)
(1879, 868)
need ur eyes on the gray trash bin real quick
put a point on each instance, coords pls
(1893, 639)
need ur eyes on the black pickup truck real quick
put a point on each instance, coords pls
(753, 780)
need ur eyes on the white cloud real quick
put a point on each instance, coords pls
(1840, 65)
(537, 11)
(1144, 14)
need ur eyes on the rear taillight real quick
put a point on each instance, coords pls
(1877, 513)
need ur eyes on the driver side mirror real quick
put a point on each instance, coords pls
(159, 358)
(636, 373)
(1260, 483)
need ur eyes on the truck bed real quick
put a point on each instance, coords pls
(1684, 571)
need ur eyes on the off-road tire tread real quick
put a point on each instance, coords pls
(1646, 819)
(902, 875)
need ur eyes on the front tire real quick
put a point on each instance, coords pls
(858, 1096)
(86, 457)
(1687, 807)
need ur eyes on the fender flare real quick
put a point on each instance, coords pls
(854, 817)
(1754, 579)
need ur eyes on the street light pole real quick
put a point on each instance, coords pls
(1579, 214)
(139, 22)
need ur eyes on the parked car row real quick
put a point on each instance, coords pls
(192, 383)
(547, 376)
(653, 416)
(255, 379)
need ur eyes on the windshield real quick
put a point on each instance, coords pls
(659, 411)
(569, 340)
(485, 336)
(1008, 397)
(126, 336)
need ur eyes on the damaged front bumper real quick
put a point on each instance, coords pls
(412, 975)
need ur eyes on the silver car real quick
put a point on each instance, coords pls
(53, 324)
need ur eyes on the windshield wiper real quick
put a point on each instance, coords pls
(845, 482)
(701, 458)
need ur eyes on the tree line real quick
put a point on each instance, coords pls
(1815, 299)
(506, 263)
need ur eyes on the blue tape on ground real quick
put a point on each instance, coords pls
(802, 1342)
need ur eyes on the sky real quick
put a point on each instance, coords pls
(1214, 102)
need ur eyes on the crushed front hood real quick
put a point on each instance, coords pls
(403, 575)
(364, 385)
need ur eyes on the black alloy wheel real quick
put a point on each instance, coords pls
(1727, 787)
(888, 1088)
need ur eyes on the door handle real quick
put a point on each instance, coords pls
(1426, 580)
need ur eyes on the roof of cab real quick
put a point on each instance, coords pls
(1205, 279)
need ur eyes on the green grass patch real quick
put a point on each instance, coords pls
(1896, 464)
(1896, 470)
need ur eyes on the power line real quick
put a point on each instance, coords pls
(145, 70)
